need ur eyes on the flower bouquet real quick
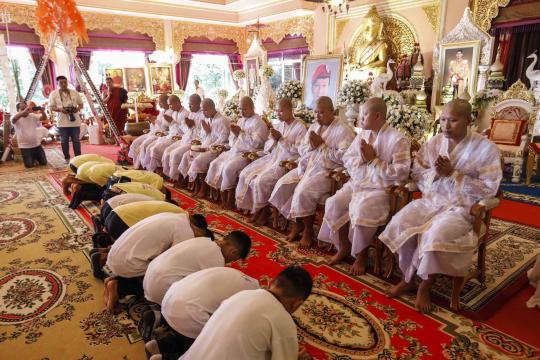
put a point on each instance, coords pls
(353, 92)
(307, 115)
(239, 75)
(231, 110)
(410, 120)
(266, 71)
(291, 89)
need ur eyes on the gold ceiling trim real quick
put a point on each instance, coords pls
(432, 13)
(486, 10)
(118, 24)
(301, 25)
(184, 30)
(23, 15)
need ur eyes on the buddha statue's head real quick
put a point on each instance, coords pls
(372, 25)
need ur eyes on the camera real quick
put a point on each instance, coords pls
(36, 108)
(71, 110)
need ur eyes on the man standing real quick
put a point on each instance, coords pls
(297, 194)
(378, 158)
(67, 104)
(114, 97)
(215, 130)
(248, 135)
(434, 234)
(257, 180)
(199, 90)
(28, 140)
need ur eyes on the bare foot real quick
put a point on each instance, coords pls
(359, 266)
(423, 300)
(252, 218)
(340, 255)
(307, 239)
(112, 298)
(262, 216)
(295, 231)
(399, 289)
(106, 289)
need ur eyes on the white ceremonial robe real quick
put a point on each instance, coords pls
(257, 180)
(154, 153)
(137, 149)
(251, 324)
(364, 200)
(193, 162)
(174, 153)
(434, 234)
(124, 199)
(179, 261)
(224, 170)
(298, 192)
(534, 279)
(131, 253)
(188, 303)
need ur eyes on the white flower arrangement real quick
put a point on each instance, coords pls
(412, 121)
(291, 89)
(239, 74)
(307, 115)
(180, 93)
(483, 97)
(231, 110)
(353, 92)
(390, 100)
(222, 93)
(266, 71)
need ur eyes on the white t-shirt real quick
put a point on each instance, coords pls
(123, 199)
(252, 324)
(26, 131)
(60, 99)
(189, 303)
(178, 262)
(137, 246)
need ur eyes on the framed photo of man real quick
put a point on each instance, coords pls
(458, 68)
(135, 79)
(161, 81)
(117, 76)
(322, 77)
(252, 74)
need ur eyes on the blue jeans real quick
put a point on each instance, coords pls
(73, 133)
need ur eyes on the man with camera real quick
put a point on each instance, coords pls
(26, 124)
(67, 104)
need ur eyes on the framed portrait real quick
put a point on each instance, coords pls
(117, 75)
(252, 74)
(458, 68)
(135, 79)
(161, 81)
(322, 77)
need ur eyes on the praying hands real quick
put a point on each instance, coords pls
(443, 166)
(275, 134)
(206, 127)
(368, 153)
(235, 129)
(190, 123)
(315, 140)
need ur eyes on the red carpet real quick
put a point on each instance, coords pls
(518, 212)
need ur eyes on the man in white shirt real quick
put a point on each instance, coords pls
(131, 253)
(26, 131)
(181, 260)
(189, 303)
(255, 324)
(67, 104)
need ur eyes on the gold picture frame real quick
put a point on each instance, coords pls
(161, 78)
(252, 74)
(117, 75)
(135, 79)
(316, 69)
(453, 76)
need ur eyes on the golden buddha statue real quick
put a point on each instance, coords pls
(370, 51)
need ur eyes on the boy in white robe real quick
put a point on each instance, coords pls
(191, 128)
(215, 130)
(378, 158)
(434, 234)
(248, 135)
(189, 303)
(257, 180)
(137, 149)
(298, 192)
(255, 324)
(154, 153)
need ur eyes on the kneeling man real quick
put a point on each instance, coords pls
(378, 158)
(434, 234)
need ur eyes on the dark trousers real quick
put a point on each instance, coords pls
(175, 345)
(130, 286)
(90, 192)
(115, 225)
(105, 211)
(34, 154)
(65, 134)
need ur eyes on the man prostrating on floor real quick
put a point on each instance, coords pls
(434, 235)
(255, 324)
(188, 304)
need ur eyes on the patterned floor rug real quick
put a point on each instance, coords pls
(51, 307)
